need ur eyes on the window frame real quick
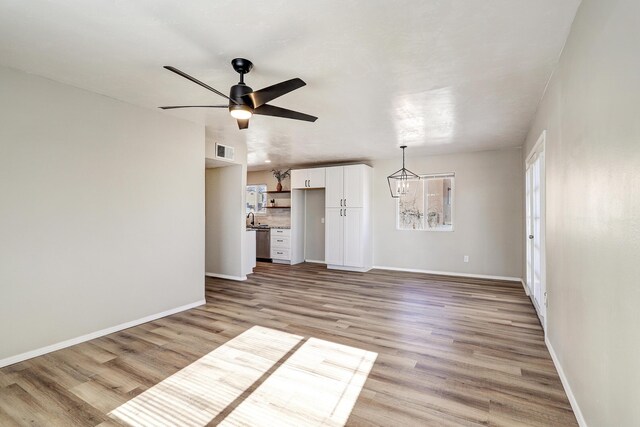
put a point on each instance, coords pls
(425, 178)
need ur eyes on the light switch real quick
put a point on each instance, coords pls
(466, 258)
(321, 220)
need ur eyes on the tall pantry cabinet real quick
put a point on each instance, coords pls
(348, 222)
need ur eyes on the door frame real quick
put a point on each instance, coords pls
(538, 151)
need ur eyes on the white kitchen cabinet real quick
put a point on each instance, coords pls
(345, 186)
(334, 191)
(307, 178)
(298, 178)
(334, 236)
(354, 186)
(249, 262)
(316, 177)
(353, 237)
(281, 245)
(348, 226)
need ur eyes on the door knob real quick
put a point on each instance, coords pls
(530, 236)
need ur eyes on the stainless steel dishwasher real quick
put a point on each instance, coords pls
(263, 243)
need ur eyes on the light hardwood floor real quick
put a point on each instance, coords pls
(451, 351)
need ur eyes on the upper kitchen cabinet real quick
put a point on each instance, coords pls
(307, 178)
(346, 186)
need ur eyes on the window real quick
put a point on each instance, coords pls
(428, 205)
(257, 198)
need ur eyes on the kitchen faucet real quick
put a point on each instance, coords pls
(253, 218)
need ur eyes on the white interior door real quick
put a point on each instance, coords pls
(535, 197)
(334, 236)
(353, 247)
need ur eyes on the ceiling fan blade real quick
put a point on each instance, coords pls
(193, 106)
(243, 123)
(198, 82)
(262, 96)
(270, 110)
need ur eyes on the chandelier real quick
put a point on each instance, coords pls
(400, 182)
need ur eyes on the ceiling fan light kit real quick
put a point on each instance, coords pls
(244, 102)
(240, 112)
(400, 181)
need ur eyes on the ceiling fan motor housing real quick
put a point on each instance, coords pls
(236, 93)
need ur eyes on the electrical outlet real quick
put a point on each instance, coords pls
(466, 258)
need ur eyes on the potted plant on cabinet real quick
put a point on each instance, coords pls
(279, 175)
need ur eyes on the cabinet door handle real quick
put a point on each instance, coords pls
(345, 202)
(345, 212)
(340, 202)
(340, 212)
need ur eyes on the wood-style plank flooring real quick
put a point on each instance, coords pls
(451, 351)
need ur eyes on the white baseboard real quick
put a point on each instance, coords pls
(524, 285)
(315, 261)
(565, 383)
(73, 341)
(343, 268)
(225, 276)
(449, 273)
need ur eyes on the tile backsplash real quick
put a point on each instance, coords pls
(275, 217)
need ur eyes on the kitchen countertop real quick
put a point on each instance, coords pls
(268, 228)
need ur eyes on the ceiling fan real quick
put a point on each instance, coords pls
(244, 101)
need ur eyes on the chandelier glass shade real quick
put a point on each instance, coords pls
(402, 182)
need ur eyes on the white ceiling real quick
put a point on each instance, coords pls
(440, 76)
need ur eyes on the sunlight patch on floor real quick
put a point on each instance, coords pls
(317, 386)
(194, 395)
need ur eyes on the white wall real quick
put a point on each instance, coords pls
(225, 207)
(591, 112)
(101, 213)
(488, 216)
(225, 221)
